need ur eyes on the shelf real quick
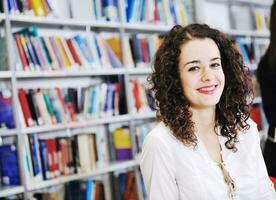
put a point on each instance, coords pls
(8, 132)
(137, 71)
(62, 22)
(64, 179)
(250, 33)
(257, 2)
(75, 125)
(99, 121)
(77, 73)
(84, 124)
(147, 27)
(8, 191)
(147, 115)
(5, 74)
(45, 128)
(69, 73)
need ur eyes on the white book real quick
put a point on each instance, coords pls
(219, 19)
(82, 9)
(61, 8)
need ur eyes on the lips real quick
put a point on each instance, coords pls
(208, 89)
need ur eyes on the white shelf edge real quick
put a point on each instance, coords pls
(5, 74)
(147, 115)
(64, 179)
(45, 128)
(257, 2)
(92, 122)
(61, 73)
(62, 21)
(8, 191)
(74, 125)
(251, 33)
(134, 71)
(147, 27)
(99, 121)
(8, 132)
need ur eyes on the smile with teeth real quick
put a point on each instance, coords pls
(207, 89)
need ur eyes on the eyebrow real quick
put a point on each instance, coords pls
(197, 61)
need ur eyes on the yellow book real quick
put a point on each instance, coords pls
(38, 8)
(64, 56)
(121, 138)
(115, 44)
(258, 20)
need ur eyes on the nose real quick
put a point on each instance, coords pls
(207, 74)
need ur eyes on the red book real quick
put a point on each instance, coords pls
(136, 95)
(52, 157)
(64, 156)
(21, 52)
(145, 53)
(25, 107)
(130, 192)
(73, 52)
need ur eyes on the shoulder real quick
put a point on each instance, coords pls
(250, 136)
(160, 135)
(159, 142)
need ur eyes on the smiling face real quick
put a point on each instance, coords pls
(201, 73)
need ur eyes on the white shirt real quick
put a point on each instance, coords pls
(173, 171)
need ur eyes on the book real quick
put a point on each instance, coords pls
(25, 107)
(3, 54)
(6, 111)
(9, 165)
(110, 10)
(122, 143)
(35, 155)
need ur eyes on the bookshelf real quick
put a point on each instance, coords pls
(63, 27)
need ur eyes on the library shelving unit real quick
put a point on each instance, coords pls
(13, 21)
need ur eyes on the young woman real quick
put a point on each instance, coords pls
(266, 76)
(205, 147)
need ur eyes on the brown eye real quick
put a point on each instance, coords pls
(195, 68)
(215, 65)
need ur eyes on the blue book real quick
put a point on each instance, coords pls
(84, 48)
(129, 10)
(95, 51)
(89, 189)
(9, 165)
(44, 160)
(243, 50)
(115, 62)
(36, 161)
(6, 113)
(31, 51)
(122, 179)
(141, 10)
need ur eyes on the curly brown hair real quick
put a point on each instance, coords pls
(232, 111)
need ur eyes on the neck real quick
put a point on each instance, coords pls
(204, 120)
